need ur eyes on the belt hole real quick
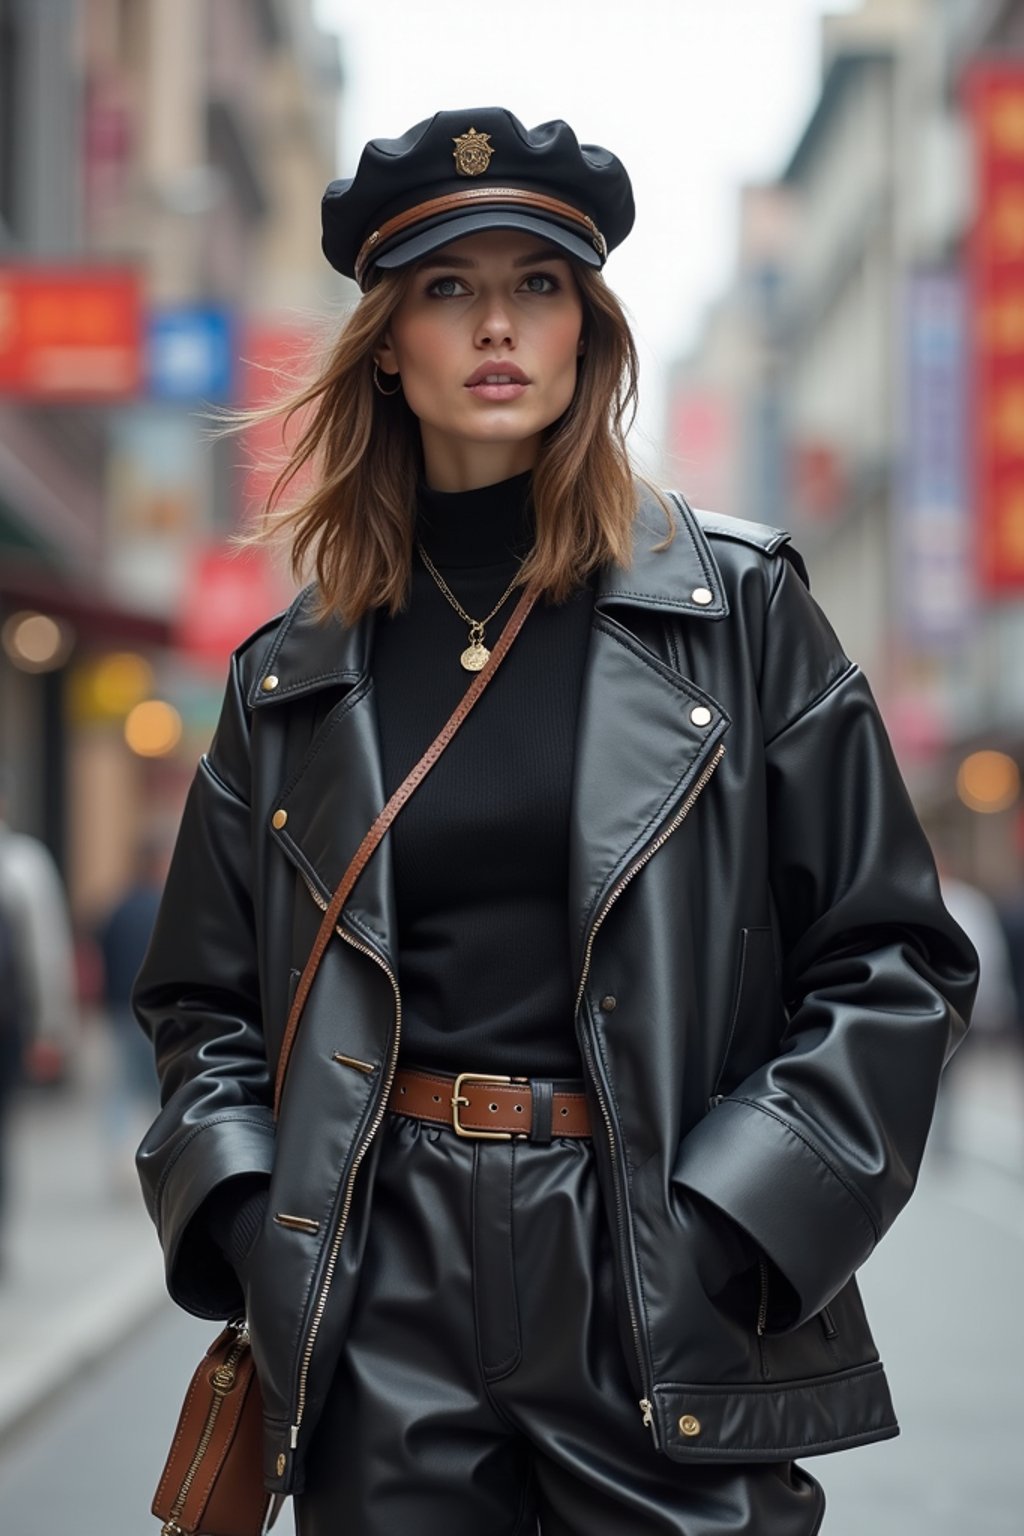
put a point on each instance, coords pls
(563, 1111)
(493, 1108)
(519, 1109)
(437, 1098)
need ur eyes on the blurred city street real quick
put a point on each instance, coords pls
(81, 1269)
(826, 291)
(84, 1300)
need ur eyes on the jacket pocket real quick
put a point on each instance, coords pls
(757, 1017)
(762, 1314)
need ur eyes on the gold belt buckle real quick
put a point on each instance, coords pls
(458, 1100)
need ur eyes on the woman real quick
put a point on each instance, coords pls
(665, 884)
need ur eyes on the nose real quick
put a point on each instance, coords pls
(495, 328)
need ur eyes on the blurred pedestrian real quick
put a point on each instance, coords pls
(122, 938)
(1011, 916)
(32, 893)
(549, 1207)
(12, 1045)
(995, 1004)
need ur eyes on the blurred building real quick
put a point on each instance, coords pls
(724, 437)
(872, 381)
(161, 164)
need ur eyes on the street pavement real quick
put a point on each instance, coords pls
(94, 1361)
(81, 1268)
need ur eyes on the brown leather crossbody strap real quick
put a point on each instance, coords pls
(401, 795)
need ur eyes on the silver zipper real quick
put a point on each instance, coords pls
(614, 894)
(378, 959)
(762, 1314)
(762, 1306)
(223, 1381)
(339, 1232)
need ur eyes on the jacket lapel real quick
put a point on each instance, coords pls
(644, 731)
(323, 812)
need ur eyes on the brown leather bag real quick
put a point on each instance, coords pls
(212, 1482)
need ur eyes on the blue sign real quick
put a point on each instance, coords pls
(933, 525)
(190, 355)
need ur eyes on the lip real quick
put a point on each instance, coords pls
(511, 371)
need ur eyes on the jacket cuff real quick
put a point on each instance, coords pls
(769, 1179)
(234, 1215)
(199, 1276)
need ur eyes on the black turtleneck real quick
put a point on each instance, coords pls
(480, 853)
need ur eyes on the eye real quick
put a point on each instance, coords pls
(541, 282)
(446, 288)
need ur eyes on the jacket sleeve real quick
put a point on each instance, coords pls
(818, 1150)
(197, 996)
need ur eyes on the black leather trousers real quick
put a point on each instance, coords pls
(483, 1389)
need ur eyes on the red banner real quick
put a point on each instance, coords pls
(994, 94)
(70, 333)
(702, 434)
(816, 474)
(229, 593)
(277, 361)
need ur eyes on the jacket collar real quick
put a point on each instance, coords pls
(306, 654)
(684, 578)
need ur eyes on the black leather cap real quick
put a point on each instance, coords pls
(461, 172)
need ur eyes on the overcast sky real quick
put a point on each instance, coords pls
(695, 96)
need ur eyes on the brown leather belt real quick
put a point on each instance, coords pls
(488, 1108)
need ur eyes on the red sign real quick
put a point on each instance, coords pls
(70, 333)
(228, 594)
(994, 95)
(817, 476)
(108, 136)
(702, 446)
(276, 363)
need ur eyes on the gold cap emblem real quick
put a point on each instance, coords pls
(472, 153)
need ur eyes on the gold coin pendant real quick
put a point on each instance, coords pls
(475, 657)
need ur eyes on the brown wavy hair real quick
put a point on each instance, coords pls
(353, 467)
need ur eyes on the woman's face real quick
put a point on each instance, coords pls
(486, 342)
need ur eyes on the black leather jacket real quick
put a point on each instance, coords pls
(748, 883)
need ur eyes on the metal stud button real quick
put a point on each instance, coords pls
(281, 1463)
(702, 596)
(609, 1003)
(278, 819)
(269, 683)
(700, 715)
(689, 1426)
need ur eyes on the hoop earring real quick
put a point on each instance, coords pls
(378, 386)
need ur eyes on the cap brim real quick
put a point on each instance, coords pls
(444, 231)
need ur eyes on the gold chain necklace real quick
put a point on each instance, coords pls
(476, 654)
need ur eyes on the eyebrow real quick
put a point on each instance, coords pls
(464, 263)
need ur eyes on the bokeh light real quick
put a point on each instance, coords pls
(35, 642)
(121, 680)
(153, 728)
(988, 782)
